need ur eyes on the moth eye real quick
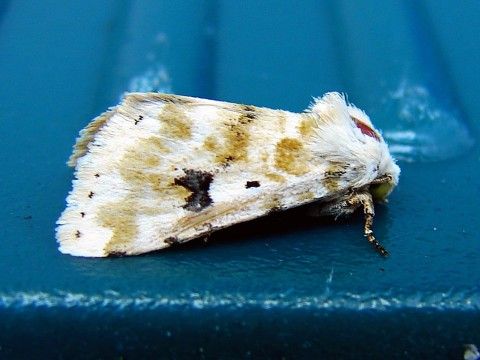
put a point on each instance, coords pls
(365, 129)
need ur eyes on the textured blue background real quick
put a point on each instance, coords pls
(280, 286)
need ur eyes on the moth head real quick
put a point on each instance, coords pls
(387, 171)
(345, 132)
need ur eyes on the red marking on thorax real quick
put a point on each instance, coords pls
(365, 129)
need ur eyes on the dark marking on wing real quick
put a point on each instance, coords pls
(176, 123)
(274, 210)
(140, 118)
(251, 184)
(173, 99)
(198, 182)
(250, 112)
(333, 175)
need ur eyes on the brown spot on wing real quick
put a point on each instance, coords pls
(236, 138)
(333, 175)
(120, 217)
(275, 177)
(306, 126)
(152, 144)
(272, 205)
(306, 196)
(198, 182)
(175, 99)
(133, 98)
(253, 183)
(140, 159)
(210, 143)
(291, 157)
(176, 123)
(139, 167)
(250, 112)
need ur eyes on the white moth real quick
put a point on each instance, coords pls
(161, 169)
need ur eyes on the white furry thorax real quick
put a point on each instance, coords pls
(342, 139)
(161, 169)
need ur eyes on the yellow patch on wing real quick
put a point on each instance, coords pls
(307, 126)
(176, 123)
(275, 177)
(306, 196)
(291, 157)
(120, 217)
(210, 144)
(140, 168)
(333, 175)
(236, 138)
(272, 204)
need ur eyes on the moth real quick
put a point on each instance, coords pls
(160, 169)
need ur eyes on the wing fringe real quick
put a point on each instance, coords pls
(87, 135)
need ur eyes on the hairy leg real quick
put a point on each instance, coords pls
(365, 200)
(347, 206)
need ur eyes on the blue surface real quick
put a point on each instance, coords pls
(280, 286)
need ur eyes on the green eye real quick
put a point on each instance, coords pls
(380, 191)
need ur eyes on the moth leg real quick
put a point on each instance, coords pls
(347, 206)
(206, 237)
(365, 199)
(335, 208)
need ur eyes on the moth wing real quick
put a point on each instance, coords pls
(160, 169)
